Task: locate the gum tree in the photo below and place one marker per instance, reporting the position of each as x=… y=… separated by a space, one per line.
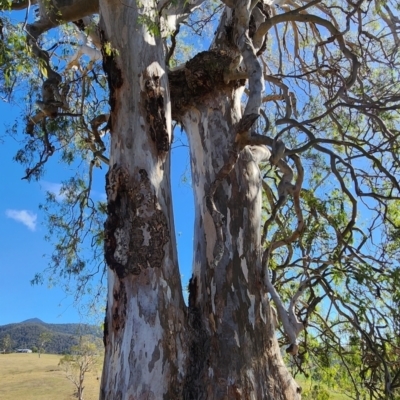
x=84 y=357
x=6 y=344
x=44 y=338
x=295 y=101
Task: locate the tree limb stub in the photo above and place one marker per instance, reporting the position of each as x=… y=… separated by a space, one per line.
x=202 y=76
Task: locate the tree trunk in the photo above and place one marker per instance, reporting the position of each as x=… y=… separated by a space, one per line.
x=80 y=393
x=144 y=327
x=81 y=382
x=223 y=346
x=233 y=353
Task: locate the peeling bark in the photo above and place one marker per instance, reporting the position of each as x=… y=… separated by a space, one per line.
x=223 y=345
x=233 y=350
x=145 y=333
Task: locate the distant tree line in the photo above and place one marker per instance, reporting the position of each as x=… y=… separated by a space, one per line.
x=61 y=337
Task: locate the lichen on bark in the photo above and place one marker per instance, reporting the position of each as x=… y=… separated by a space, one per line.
x=136 y=229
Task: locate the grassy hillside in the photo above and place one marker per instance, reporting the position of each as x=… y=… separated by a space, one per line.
x=63 y=336
x=28 y=377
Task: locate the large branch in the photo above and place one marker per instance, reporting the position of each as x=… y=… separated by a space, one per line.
x=295 y=16
x=243 y=11
x=291 y=325
x=175 y=12
x=50 y=16
x=58 y=12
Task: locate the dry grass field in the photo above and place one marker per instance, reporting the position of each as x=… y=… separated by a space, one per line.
x=28 y=377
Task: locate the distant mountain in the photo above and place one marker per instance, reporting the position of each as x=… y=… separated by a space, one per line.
x=33 y=321
x=26 y=334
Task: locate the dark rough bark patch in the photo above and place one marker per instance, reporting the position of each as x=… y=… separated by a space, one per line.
x=155 y=113
x=266 y=10
x=119 y=308
x=202 y=76
x=105 y=331
x=136 y=229
x=199 y=348
x=252 y=27
x=151 y=254
x=80 y=24
x=113 y=185
x=206 y=70
x=192 y=288
x=229 y=30
x=114 y=75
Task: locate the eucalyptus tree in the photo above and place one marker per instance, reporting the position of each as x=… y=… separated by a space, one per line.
x=294 y=101
x=83 y=358
x=43 y=339
x=6 y=344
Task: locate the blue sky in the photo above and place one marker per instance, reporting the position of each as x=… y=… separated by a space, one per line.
x=22 y=244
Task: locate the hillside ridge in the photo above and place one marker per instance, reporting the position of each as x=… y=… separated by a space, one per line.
x=26 y=334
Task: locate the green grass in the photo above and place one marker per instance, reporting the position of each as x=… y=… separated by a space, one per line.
x=330 y=393
x=28 y=377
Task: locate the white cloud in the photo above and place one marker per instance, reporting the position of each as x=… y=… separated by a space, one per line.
x=28 y=218
x=53 y=188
